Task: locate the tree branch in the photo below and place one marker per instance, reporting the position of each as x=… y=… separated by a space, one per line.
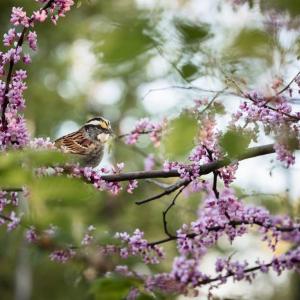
x=288 y=85
x=204 y=169
x=293 y=118
x=12 y=189
x=217 y=228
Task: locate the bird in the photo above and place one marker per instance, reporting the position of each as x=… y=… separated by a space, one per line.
x=88 y=142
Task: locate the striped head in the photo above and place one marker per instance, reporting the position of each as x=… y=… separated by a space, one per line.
x=99 y=128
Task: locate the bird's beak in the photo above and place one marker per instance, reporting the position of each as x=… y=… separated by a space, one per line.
x=110 y=131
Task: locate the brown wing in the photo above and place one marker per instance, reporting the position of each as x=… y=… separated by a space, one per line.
x=74 y=143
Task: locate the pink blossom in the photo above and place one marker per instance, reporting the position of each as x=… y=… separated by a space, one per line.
x=145 y=126
x=88 y=236
x=41 y=144
x=63 y=255
x=31 y=235
x=14 y=221
x=138 y=246
x=26 y=59
x=40 y=15
x=3 y=200
x=18 y=17
x=32 y=40
x=284 y=155
x=9 y=37
x=132 y=185
x=149 y=162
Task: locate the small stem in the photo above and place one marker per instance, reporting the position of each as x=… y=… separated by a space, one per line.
x=165 y=212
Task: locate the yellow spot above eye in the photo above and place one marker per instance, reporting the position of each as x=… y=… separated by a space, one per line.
x=103 y=125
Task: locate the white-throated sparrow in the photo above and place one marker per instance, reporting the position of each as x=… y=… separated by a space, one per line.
x=88 y=142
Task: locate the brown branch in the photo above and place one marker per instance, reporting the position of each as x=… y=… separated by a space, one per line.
x=212 y=100
x=204 y=169
x=215 y=182
x=230 y=274
x=165 y=212
x=220 y=278
x=10 y=69
x=293 y=118
x=189 y=87
x=5 y=218
x=217 y=228
x=12 y=189
x=216 y=173
x=128 y=134
x=288 y=85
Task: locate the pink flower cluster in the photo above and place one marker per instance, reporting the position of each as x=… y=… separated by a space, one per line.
x=9 y=201
x=145 y=126
x=15 y=135
x=13 y=126
x=277 y=118
x=228 y=216
x=62 y=255
x=136 y=245
x=218 y=217
x=284 y=155
x=94 y=177
x=88 y=236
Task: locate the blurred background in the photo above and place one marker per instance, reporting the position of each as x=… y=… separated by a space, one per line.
x=128 y=59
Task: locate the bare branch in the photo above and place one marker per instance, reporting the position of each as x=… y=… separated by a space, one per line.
x=165 y=212
x=128 y=134
x=172 y=188
x=12 y=189
x=288 y=85
x=293 y=118
x=189 y=87
x=212 y=100
x=162 y=185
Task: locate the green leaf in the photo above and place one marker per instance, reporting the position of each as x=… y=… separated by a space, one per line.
x=252 y=43
x=191 y=32
x=125 y=42
x=180 y=139
x=60 y=190
x=235 y=142
x=189 y=70
x=113 y=288
x=290 y=6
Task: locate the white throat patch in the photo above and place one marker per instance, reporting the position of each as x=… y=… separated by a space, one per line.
x=103 y=137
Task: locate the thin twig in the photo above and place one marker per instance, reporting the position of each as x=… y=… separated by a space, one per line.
x=172 y=188
x=128 y=134
x=212 y=100
x=288 y=85
x=215 y=183
x=247 y=96
x=165 y=212
x=161 y=185
x=5 y=218
x=189 y=87
x=216 y=173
